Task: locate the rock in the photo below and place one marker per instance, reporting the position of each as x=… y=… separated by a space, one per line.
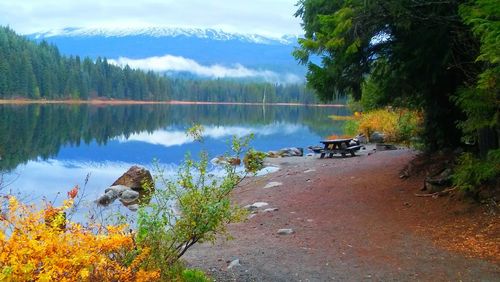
x=439 y=182
x=222 y=160
x=129 y=196
x=315 y=149
x=111 y=194
x=285 y=231
x=270 y=210
x=118 y=189
x=273 y=154
x=234 y=263
x=377 y=137
x=385 y=147
x=256 y=205
x=133 y=207
x=309 y=170
x=272 y=184
x=291 y=152
x=137 y=178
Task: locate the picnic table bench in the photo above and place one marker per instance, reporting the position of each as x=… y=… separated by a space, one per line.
x=339 y=146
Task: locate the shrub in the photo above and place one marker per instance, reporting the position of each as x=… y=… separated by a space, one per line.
x=472 y=172
x=194 y=275
x=191 y=209
x=34 y=249
x=399 y=125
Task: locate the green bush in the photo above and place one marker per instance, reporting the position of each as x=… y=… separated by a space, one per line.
x=472 y=172
x=194 y=275
x=192 y=208
x=351 y=127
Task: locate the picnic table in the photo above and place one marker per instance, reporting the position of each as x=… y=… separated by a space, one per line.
x=339 y=146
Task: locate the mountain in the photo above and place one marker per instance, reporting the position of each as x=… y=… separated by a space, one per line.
x=207 y=47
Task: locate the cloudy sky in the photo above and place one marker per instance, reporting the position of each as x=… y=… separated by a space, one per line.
x=267 y=17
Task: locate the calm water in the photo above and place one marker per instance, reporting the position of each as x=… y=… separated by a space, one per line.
x=48 y=149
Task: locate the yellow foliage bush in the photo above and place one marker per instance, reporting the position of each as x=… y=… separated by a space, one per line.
x=33 y=248
x=380 y=120
x=398 y=125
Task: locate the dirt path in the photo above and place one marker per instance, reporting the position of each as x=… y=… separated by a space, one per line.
x=353 y=220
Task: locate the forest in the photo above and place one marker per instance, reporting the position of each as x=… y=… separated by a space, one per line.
x=38 y=71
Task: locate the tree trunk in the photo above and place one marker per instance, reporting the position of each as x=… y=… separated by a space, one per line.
x=487 y=140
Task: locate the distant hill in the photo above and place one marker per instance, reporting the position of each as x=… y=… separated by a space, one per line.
x=205 y=46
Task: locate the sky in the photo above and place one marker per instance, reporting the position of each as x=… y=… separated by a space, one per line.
x=266 y=17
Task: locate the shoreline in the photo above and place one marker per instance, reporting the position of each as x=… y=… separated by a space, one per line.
x=137 y=102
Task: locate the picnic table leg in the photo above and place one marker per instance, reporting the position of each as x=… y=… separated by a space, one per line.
x=322 y=155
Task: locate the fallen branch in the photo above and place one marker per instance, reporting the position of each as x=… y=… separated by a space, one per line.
x=437 y=194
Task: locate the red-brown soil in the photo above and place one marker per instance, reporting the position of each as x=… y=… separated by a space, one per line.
x=354 y=219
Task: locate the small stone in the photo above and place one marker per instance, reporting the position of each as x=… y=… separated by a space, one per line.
x=272 y=184
x=253 y=207
x=133 y=207
x=285 y=231
x=234 y=263
x=270 y=210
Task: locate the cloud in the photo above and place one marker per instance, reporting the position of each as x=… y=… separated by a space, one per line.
x=181 y=64
x=169 y=138
x=258 y=16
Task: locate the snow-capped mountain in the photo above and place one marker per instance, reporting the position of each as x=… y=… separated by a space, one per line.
x=170 y=49
x=208 y=33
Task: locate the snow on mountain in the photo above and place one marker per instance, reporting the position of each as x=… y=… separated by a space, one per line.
x=209 y=33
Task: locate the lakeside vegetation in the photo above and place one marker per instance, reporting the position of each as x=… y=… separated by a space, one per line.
x=45 y=245
x=38 y=71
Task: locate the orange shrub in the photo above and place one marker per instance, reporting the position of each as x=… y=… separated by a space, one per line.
x=34 y=249
x=383 y=120
x=398 y=125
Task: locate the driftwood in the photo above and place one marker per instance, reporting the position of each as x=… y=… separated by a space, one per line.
x=437 y=194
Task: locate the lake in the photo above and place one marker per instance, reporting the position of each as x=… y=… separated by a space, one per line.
x=46 y=150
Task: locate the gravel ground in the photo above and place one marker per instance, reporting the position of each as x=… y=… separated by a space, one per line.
x=353 y=219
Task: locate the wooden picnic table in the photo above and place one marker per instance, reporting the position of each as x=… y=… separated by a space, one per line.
x=339 y=146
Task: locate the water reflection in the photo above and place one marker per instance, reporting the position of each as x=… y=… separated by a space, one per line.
x=48 y=149
x=173 y=137
x=31 y=132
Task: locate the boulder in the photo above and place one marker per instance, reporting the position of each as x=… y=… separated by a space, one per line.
x=129 y=187
x=439 y=182
x=377 y=137
x=291 y=152
x=136 y=178
x=111 y=194
x=129 y=196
